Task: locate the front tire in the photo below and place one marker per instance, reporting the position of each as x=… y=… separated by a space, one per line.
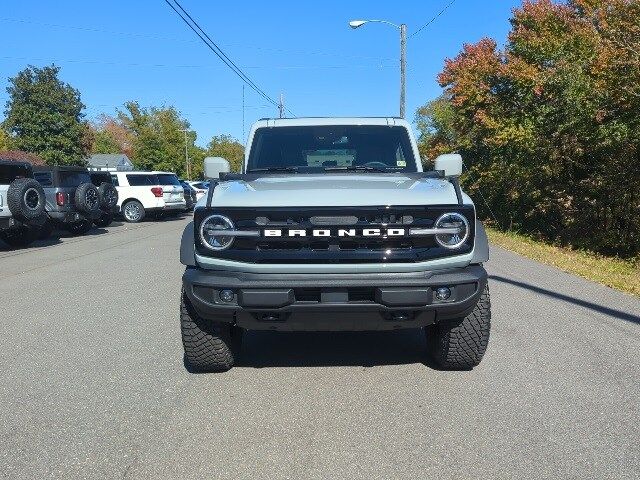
x=460 y=344
x=208 y=346
x=133 y=211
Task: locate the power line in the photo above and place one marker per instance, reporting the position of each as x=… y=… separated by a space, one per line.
x=193 y=25
x=432 y=20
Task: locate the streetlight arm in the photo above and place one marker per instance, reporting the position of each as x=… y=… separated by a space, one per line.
x=359 y=23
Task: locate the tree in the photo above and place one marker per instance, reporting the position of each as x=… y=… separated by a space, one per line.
x=549 y=125
x=111 y=136
x=158 y=138
x=44 y=116
x=5 y=140
x=229 y=148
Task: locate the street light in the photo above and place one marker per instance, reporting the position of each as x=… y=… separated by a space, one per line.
x=403 y=54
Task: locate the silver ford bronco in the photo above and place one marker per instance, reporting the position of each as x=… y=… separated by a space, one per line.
x=334 y=225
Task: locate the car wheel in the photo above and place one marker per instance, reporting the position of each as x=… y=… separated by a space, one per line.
x=133 y=211
x=87 y=199
x=460 y=344
x=25 y=199
x=208 y=346
x=19 y=237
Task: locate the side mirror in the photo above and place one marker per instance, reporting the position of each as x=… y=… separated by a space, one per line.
x=214 y=166
x=450 y=164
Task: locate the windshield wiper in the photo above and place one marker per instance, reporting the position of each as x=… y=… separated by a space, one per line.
x=274 y=169
x=355 y=168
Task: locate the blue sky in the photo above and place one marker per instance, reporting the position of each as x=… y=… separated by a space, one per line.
x=117 y=51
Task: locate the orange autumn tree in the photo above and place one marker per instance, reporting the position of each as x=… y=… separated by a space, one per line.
x=549 y=126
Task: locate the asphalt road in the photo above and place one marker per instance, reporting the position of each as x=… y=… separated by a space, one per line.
x=92 y=382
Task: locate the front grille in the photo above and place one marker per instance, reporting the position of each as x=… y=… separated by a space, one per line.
x=360 y=249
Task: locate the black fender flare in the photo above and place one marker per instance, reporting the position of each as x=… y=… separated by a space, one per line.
x=481 y=247
x=187 y=246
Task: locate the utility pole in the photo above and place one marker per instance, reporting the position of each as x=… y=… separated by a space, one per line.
x=186 y=154
x=243 y=112
x=281 y=106
x=403 y=55
x=403 y=67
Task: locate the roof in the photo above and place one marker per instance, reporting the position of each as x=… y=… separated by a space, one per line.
x=322 y=121
x=108 y=159
x=61 y=168
x=20 y=156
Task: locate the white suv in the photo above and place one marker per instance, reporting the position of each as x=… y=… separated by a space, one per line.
x=140 y=193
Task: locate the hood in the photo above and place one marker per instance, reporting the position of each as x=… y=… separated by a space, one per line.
x=334 y=190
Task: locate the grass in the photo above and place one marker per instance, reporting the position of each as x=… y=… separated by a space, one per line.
x=613 y=272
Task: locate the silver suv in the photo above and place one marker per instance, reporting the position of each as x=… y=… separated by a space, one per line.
x=72 y=200
x=334 y=225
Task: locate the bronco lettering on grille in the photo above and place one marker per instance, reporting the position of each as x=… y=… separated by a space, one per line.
x=340 y=232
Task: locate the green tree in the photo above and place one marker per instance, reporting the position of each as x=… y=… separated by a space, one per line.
x=549 y=125
x=158 y=139
x=229 y=148
x=5 y=140
x=44 y=116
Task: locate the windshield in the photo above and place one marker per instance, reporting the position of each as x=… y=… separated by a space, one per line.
x=318 y=148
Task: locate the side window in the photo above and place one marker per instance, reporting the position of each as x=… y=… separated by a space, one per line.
x=114 y=179
x=44 y=178
x=142 y=180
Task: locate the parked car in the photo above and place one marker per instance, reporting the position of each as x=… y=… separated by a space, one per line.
x=108 y=198
x=335 y=226
x=201 y=188
x=72 y=200
x=143 y=193
x=190 y=196
x=22 y=204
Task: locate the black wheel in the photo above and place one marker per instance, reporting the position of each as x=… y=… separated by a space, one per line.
x=104 y=221
x=80 y=228
x=208 y=346
x=19 y=237
x=25 y=199
x=133 y=211
x=460 y=344
x=108 y=195
x=87 y=199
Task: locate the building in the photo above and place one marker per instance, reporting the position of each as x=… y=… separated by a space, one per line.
x=111 y=162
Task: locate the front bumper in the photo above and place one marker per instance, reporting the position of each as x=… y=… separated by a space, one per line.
x=379 y=301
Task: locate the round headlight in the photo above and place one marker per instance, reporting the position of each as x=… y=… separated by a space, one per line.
x=210 y=232
x=459 y=227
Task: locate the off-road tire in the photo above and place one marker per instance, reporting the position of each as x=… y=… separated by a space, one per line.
x=104 y=221
x=19 y=237
x=26 y=200
x=108 y=195
x=460 y=344
x=80 y=228
x=87 y=199
x=208 y=346
x=131 y=219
